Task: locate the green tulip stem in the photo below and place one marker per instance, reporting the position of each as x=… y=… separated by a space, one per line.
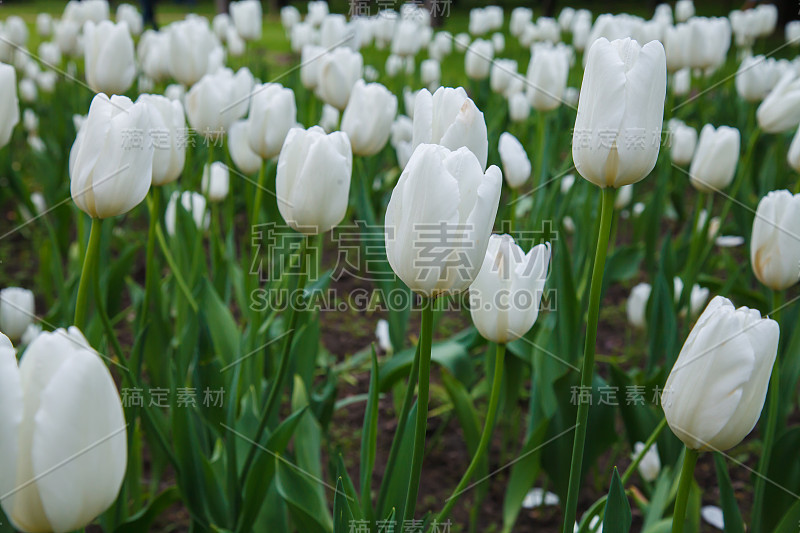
x=283 y=364
x=486 y=436
x=771 y=428
x=426 y=334
x=512 y=214
x=262 y=176
x=153 y=205
x=685 y=484
x=587 y=370
x=89 y=270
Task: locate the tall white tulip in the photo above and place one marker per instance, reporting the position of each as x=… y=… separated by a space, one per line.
x=63 y=454
x=368 y=117
x=683 y=141
x=273 y=112
x=111 y=161
x=715 y=159
x=620 y=111
x=519 y=108
x=684 y=10
x=780 y=110
x=715 y=392
x=793 y=155
x=775 y=243
x=337 y=73
x=215 y=102
x=478 y=59
x=193 y=203
x=247 y=17
x=450 y=118
x=17 y=311
x=313 y=179
x=9 y=103
x=439 y=219
x=636 y=307
x=168 y=123
x=516 y=165
x=547 y=76
x=190 y=45
x=507 y=292
x=756 y=77
x=215 y=181
x=130 y=15
x=242 y=155
x=650 y=465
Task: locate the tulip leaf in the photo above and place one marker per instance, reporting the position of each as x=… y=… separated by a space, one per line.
x=451 y=355
x=730 y=509
x=623 y=264
x=663 y=327
x=297 y=487
x=788 y=523
x=141 y=521
x=618 y=516
x=523 y=474
x=349 y=488
x=398 y=481
x=225 y=335
x=784 y=476
x=342 y=516
x=369 y=439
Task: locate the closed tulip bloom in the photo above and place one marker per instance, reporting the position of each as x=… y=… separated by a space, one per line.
x=636 y=307
x=218 y=100
x=439 y=189
x=430 y=73
x=63 y=454
x=313 y=179
x=519 y=108
x=756 y=77
x=461 y=42
x=780 y=110
x=520 y=17
x=193 y=203
x=338 y=72
x=478 y=59
x=698 y=299
x=792 y=32
x=9 y=104
x=793 y=156
x=450 y=118
x=246 y=15
x=650 y=465
x=684 y=10
x=516 y=165
x=190 y=46
x=547 y=76
x=329 y=120
x=215 y=182
x=368 y=118
x=272 y=114
x=130 y=15
x=168 y=123
x=505 y=296
x=775 y=243
x=682 y=82
x=50 y=54
x=715 y=159
x=242 y=155
x=503 y=70
x=310 y=61
x=44 y=24
x=111 y=161
x=683 y=142
x=715 y=392
x=620 y=111
x=401 y=136
x=406 y=40
x=624 y=197
x=16 y=311
x=290 y=16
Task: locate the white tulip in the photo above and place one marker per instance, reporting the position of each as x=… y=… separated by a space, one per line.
x=715 y=159
x=273 y=112
x=63 y=454
x=620 y=111
x=215 y=181
x=775 y=243
x=338 y=72
x=756 y=77
x=684 y=10
x=329 y=120
x=111 y=161
x=780 y=110
x=247 y=16
x=401 y=137
x=9 y=104
x=193 y=203
x=697 y=299
x=313 y=179
x=430 y=73
x=168 y=124
x=130 y=15
x=503 y=71
x=478 y=59
x=439 y=219
x=636 y=307
x=368 y=117
x=650 y=465
x=519 y=108
x=683 y=141
x=16 y=311
x=624 y=197
x=218 y=100
x=190 y=45
x=290 y=16
x=27 y=90
x=245 y=159
x=516 y=165
x=506 y=294
x=547 y=76
x=44 y=24
x=715 y=392
x=682 y=82
x=450 y=118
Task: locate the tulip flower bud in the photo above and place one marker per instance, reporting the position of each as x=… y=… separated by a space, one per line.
x=624 y=197
x=503 y=70
x=519 y=108
x=193 y=203
x=715 y=392
x=439 y=219
x=683 y=140
x=190 y=45
x=242 y=155
x=620 y=111
x=775 y=243
x=273 y=113
x=310 y=60
x=130 y=15
x=650 y=465
x=337 y=74
x=215 y=181
x=697 y=299
x=9 y=104
x=329 y=121
x=313 y=179
x=636 y=307
x=715 y=159
x=290 y=16
x=684 y=10
x=547 y=76
x=780 y=110
x=402 y=133
x=793 y=156
x=478 y=59
x=516 y=165
x=682 y=82
x=246 y=15
x=44 y=24
x=218 y=100
x=16 y=311
x=430 y=73
x=368 y=118
x=756 y=77
x=168 y=124
x=64 y=449
x=505 y=296
x=450 y=118
x=111 y=161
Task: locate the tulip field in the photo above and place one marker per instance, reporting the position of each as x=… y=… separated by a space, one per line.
x=386 y=267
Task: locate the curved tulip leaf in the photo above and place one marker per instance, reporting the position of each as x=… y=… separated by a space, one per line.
x=369 y=439
x=730 y=509
x=618 y=516
x=523 y=474
x=225 y=335
x=342 y=516
x=784 y=476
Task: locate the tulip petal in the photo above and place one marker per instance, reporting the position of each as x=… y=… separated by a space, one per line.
x=11 y=409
